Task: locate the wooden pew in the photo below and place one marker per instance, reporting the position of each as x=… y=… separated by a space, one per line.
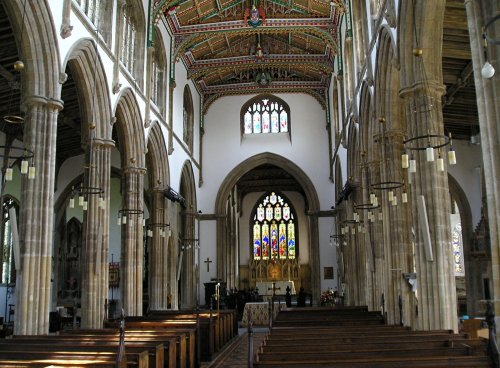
x=68 y=358
x=226 y=322
x=184 y=330
x=215 y=329
x=177 y=351
x=336 y=338
x=159 y=354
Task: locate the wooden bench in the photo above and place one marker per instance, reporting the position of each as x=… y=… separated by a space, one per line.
x=62 y=357
x=161 y=352
x=215 y=330
x=178 y=345
x=357 y=338
x=225 y=323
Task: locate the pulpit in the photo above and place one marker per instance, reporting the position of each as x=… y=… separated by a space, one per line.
x=211 y=289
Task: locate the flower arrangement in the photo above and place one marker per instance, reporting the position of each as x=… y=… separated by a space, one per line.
x=327 y=297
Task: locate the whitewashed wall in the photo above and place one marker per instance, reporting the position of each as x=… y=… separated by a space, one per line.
x=224 y=149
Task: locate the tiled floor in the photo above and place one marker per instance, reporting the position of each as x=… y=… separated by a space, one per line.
x=236 y=354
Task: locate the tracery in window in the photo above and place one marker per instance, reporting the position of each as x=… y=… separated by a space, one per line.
x=129 y=37
x=158 y=74
x=274 y=229
x=188 y=118
x=92 y=8
x=7 y=256
x=265 y=114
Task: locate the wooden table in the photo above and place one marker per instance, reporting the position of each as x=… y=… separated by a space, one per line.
x=260 y=313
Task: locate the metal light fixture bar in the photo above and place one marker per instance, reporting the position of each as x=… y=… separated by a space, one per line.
x=366 y=206
x=17 y=153
x=387 y=185
x=337 y=239
x=123 y=215
x=432 y=140
x=188 y=242
x=162 y=229
x=352 y=225
x=485 y=30
x=83 y=194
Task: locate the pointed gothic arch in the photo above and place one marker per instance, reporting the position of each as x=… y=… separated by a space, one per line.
x=160 y=265
x=131 y=144
x=187 y=234
x=312 y=208
x=129 y=129
x=91 y=82
x=38 y=50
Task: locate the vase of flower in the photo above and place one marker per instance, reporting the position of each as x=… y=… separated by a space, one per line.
x=327 y=298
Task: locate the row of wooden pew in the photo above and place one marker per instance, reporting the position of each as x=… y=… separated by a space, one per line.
x=354 y=337
x=161 y=339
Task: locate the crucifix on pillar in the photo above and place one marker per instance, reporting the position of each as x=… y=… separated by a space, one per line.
x=208 y=261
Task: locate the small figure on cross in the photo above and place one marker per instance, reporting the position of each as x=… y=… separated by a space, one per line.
x=274 y=288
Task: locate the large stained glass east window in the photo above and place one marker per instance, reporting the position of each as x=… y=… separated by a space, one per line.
x=265 y=114
x=274 y=229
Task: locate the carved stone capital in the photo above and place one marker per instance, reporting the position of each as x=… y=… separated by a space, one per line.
x=66 y=30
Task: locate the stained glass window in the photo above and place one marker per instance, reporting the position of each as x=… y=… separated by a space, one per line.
x=273 y=229
x=267 y=114
x=458 y=258
x=7 y=254
x=158 y=74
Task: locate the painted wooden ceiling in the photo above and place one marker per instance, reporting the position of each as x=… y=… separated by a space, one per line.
x=288 y=45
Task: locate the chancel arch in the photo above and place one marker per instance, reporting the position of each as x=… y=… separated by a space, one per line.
x=229 y=193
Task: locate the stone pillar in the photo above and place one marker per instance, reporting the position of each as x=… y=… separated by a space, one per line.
x=158 y=255
x=488 y=100
x=377 y=237
x=398 y=242
x=422 y=91
x=95 y=244
x=132 y=257
x=33 y=280
x=436 y=279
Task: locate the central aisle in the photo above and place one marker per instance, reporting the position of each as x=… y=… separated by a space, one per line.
x=236 y=354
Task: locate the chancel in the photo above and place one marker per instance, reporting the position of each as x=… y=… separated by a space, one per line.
x=188 y=162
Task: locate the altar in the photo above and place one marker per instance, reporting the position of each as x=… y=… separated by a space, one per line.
x=266 y=287
x=260 y=313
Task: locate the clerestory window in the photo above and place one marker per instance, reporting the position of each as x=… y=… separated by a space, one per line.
x=265 y=114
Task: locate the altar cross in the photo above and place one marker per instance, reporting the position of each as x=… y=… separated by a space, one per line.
x=208 y=261
x=274 y=288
